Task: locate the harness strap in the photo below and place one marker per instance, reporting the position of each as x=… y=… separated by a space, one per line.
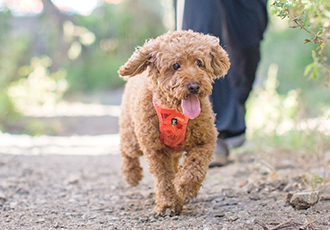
x=172 y=125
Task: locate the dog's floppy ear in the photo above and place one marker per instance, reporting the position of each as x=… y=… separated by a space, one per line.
x=220 y=61
x=138 y=62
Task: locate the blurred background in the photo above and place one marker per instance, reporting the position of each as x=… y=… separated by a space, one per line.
x=60 y=91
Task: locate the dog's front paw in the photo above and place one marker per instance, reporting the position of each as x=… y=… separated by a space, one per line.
x=160 y=210
x=171 y=210
x=186 y=188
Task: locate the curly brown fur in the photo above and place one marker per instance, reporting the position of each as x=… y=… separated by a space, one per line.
x=152 y=68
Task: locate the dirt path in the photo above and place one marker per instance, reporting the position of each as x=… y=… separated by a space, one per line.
x=88 y=192
x=43 y=190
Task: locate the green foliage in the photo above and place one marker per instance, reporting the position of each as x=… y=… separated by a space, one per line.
x=118 y=30
x=12 y=53
x=313 y=16
x=278 y=121
x=38 y=86
x=282 y=47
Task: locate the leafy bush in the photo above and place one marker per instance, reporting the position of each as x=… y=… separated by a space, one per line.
x=278 y=121
x=313 y=16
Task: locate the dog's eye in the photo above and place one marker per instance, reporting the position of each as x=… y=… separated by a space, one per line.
x=176 y=66
x=199 y=63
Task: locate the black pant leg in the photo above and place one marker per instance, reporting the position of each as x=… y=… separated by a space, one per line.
x=243 y=28
x=207 y=17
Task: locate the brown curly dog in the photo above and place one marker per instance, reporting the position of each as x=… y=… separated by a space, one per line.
x=173 y=76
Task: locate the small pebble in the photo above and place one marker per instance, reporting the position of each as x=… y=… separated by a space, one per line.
x=219 y=214
x=233 y=218
x=250 y=187
x=13 y=205
x=73 y=179
x=303 y=200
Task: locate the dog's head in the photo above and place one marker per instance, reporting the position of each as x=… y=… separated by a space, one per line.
x=182 y=67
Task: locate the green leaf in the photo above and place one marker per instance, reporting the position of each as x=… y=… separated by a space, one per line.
x=308 y=69
x=315 y=73
x=321 y=45
x=274 y=11
x=315 y=58
x=307 y=40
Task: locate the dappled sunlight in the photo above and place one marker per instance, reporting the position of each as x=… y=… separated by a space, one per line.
x=321 y=124
x=72 y=33
x=81 y=7
x=269 y=112
x=73 y=145
x=271 y=115
x=40 y=87
x=108 y=44
x=75 y=50
x=23 y=7
x=77 y=109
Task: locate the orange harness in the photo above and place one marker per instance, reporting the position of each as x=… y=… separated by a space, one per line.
x=172 y=125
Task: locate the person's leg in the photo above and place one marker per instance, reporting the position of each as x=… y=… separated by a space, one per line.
x=207 y=17
x=243 y=28
x=242 y=75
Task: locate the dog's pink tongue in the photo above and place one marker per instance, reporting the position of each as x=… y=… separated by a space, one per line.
x=191 y=107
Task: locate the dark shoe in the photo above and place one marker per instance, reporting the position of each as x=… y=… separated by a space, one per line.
x=236 y=141
x=220 y=154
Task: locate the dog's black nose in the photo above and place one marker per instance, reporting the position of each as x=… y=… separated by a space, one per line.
x=193 y=87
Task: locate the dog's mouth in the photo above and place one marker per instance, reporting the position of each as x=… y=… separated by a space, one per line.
x=191 y=106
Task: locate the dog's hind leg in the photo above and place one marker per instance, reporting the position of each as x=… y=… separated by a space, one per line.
x=130 y=152
x=131 y=170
